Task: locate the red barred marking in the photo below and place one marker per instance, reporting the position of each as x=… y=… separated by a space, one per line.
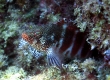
x=74 y=43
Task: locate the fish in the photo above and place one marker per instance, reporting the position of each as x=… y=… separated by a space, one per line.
x=72 y=45
x=61 y=43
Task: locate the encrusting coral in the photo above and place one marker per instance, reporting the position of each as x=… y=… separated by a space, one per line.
x=75 y=71
x=12 y=73
x=3 y=60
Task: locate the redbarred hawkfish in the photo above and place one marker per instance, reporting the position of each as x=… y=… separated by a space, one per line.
x=71 y=43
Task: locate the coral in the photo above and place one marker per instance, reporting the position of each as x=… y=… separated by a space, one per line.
x=3 y=59
x=53 y=74
x=93 y=16
x=53 y=18
x=14 y=14
x=2 y=10
x=2 y=4
x=89 y=65
x=9 y=30
x=74 y=70
x=102 y=73
x=12 y=73
x=107 y=77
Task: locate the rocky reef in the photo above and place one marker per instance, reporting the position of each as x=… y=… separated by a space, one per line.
x=30 y=28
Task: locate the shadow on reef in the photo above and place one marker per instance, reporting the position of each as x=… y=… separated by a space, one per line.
x=10 y=50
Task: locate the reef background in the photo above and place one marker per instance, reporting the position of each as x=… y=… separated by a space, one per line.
x=18 y=16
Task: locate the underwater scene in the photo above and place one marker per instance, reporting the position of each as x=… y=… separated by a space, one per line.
x=54 y=39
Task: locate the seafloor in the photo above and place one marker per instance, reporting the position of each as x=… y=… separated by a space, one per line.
x=25 y=22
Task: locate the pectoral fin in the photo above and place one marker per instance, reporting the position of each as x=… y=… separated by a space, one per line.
x=54 y=58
